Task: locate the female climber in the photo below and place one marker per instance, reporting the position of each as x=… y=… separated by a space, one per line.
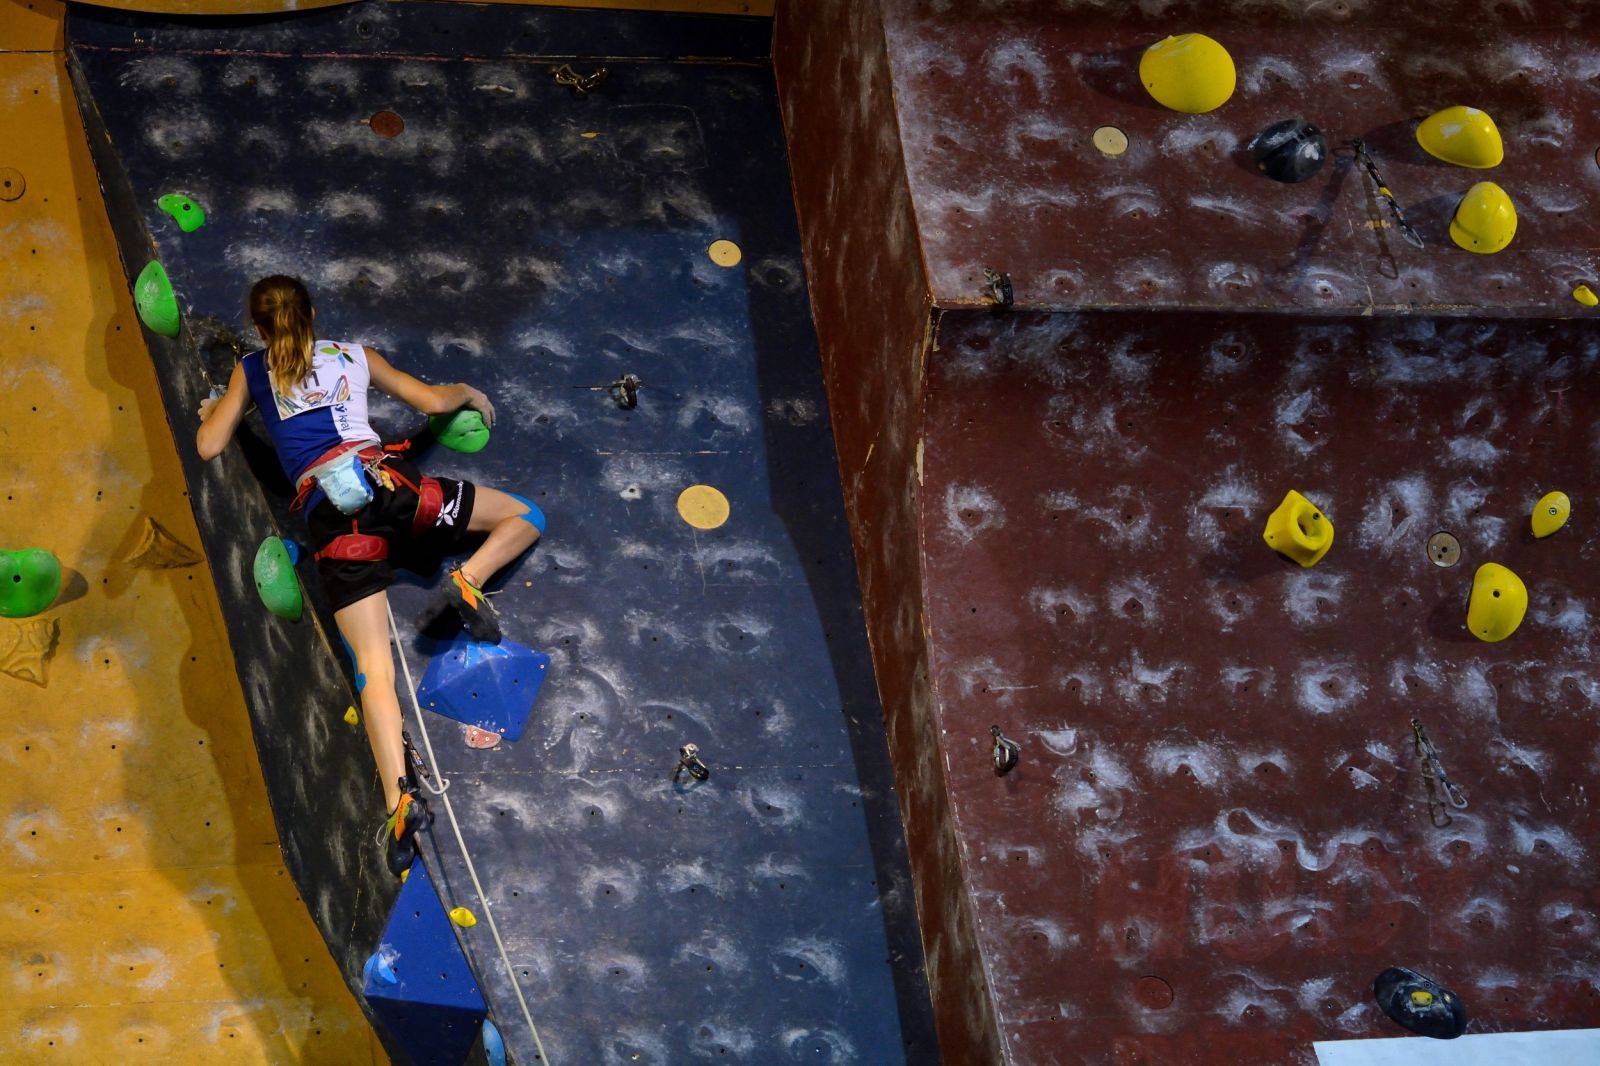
x=364 y=506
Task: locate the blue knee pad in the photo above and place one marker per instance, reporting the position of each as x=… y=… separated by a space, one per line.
x=361 y=678
x=534 y=517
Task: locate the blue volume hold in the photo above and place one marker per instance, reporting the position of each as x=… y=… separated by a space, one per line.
x=491 y=686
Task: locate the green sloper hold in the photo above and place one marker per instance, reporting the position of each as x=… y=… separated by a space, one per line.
x=30 y=581
x=153 y=296
x=462 y=431
x=276 y=580
x=189 y=215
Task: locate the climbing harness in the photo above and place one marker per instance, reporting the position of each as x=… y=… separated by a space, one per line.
x=442 y=791
x=580 y=84
x=1004 y=753
x=1441 y=790
x=689 y=762
x=624 y=391
x=1365 y=159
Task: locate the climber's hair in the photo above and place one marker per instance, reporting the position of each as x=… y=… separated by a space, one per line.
x=281 y=307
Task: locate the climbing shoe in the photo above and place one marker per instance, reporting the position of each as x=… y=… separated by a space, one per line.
x=399 y=831
x=469 y=602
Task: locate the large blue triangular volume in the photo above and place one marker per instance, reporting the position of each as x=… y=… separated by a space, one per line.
x=491 y=686
x=418 y=982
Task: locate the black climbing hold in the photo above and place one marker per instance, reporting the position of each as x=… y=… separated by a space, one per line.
x=1005 y=751
x=1289 y=151
x=1420 y=1004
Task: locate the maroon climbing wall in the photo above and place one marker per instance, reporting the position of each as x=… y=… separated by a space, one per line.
x=869 y=297
x=998 y=105
x=1217 y=835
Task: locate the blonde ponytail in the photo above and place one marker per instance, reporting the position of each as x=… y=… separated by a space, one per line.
x=280 y=306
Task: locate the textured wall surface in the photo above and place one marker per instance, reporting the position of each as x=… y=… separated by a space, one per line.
x=869 y=298
x=145 y=911
x=317 y=768
x=998 y=102
x=537 y=242
x=1218 y=833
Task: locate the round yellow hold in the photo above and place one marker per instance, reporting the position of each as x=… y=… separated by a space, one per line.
x=1485 y=219
x=1189 y=72
x=463 y=917
x=1464 y=136
x=1551 y=513
x=703 y=507
x=724 y=253
x=1585 y=295
x=351 y=716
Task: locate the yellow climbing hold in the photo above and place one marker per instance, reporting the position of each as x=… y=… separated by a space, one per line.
x=405 y=874
x=589 y=136
x=1189 y=72
x=724 y=253
x=1421 y=998
x=1551 y=513
x=1585 y=295
x=463 y=917
x=351 y=716
x=1299 y=530
x=703 y=507
x=1110 y=140
x=1485 y=219
x=1464 y=136
x=1499 y=600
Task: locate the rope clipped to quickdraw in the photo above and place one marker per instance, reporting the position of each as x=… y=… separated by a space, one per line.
x=1441 y=790
x=1365 y=159
x=442 y=791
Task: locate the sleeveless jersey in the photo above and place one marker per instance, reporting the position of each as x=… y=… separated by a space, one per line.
x=327 y=409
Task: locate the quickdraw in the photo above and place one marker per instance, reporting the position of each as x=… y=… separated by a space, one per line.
x=580 y=84
x=1441 y=790
x=689 y=762
x=624 y=391
x=1365 y=159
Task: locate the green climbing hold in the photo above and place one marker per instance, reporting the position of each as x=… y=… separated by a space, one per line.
x=189 y=215
x=276 y=580
x=462 y=431
x=153 y=296
x=30 y=581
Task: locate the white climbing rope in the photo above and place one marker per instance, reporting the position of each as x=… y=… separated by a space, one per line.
x=449 y=809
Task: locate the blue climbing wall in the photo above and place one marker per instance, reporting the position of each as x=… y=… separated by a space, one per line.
x=534 y=241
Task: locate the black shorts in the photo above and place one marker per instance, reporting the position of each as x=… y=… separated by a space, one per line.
x=390 y=515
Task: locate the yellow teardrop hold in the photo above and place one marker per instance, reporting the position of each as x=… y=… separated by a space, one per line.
x=1299 y=530
x=1585 y=295
x=351 y=716
x=1499 y=600
x=463 y=917
x=1551 y=513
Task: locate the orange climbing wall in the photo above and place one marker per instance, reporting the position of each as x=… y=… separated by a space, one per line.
x=145 y=913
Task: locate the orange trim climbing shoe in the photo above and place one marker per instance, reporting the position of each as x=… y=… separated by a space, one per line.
x=400 y=828
x=469 y=602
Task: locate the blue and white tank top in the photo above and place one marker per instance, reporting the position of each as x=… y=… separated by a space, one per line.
x=327 y=409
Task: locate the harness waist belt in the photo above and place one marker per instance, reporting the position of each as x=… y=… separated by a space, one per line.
x=356 y=548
